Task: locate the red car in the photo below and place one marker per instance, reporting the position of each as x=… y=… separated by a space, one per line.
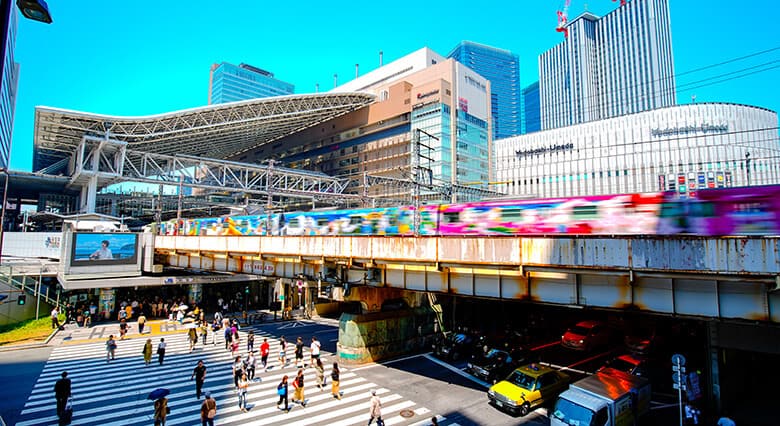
x=586 y=336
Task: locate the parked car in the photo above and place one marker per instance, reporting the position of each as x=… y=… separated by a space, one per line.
x=587 y=335
x=636 y=366
x=644 y=341
x=528 y=387
x=453 y=346
x=492 y=365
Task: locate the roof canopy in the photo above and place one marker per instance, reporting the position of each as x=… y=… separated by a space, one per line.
x=215 y=131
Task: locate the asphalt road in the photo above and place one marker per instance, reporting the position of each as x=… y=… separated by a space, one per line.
x=21 y=369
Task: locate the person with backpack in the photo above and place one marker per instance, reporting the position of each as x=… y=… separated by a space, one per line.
x=298 y=385
x=208 y=410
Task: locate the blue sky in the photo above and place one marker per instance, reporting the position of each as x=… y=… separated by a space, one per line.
x=145 y=57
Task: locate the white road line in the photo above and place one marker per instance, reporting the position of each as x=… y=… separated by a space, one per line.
x=482 y=383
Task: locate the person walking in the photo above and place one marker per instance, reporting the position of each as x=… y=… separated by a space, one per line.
x=199 y=374
x=334 y=381
x=265 y=349
x=161 y=351
x=228 y=337
x=250 y=341
x=299 y=353
x=192 y=336
x=320 y=370
x=282 y=352
x=243 y=386
x=110 y=348
x=55 y=321
x=215 y=326
x=238 y=370
x=122 y=329
x=61 y=394
x=161 y=411
x=208 y=410
x=141 y=323
x=314 y=349
x=298 y=385
x=204 y=331
x=234 y=345
x=281 y=390
x=147 y=352
x=376 y=410
x=249 y=365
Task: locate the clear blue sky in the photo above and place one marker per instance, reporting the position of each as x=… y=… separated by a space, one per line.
x=145 y=57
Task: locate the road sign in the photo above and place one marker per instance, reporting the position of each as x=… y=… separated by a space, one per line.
x=675 y=378
x=681 y=369
x=678 y=359
x=678 y=386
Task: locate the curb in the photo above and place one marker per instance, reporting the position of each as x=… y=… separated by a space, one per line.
x=36 y=345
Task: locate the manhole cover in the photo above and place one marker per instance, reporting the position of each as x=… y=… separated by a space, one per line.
x=406 y=413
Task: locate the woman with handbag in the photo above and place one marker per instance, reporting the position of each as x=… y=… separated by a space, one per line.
x=161 y=411
x=208 y=410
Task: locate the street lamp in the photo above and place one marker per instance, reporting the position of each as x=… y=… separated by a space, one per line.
x=37 y=10
x=747 y=167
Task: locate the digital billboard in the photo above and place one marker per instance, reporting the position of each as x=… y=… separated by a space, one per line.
x=104 y=249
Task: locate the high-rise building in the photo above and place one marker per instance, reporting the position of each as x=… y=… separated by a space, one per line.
x=532 y=115
x=230 y=83
x=614 y=65
x=8 y=87
x=502 y=68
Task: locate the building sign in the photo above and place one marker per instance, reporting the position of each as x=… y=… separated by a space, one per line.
x=545 y=150
x=702 y=181
x=426 y=94
x=476 y=83
x=704 y=128
x=662 y=182
x=52 y=242
x=463 y=104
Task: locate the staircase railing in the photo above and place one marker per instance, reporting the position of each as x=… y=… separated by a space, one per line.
x=27 y=285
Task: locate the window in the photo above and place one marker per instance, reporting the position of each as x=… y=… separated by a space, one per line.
x=384 y=95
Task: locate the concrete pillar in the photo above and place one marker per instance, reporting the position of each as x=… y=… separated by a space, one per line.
x=89 y=196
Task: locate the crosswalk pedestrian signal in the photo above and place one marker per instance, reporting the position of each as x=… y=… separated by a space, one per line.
x=246 y=289
x=22 y=299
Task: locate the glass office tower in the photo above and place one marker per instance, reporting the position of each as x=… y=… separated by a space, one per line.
x=532 y=115
x=8 y=92
x=502 y=68
x=230 y=83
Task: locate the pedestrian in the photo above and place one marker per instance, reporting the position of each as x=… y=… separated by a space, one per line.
x=265 y=349
x=282 y=352
x=161 y=411
x=55 y=321
x=110 y=348
x=122 y=329
x=147 y=352
x=69 y=310
x=298 y=385
x=434 y=421
x=208 y=410
x=243 y=386
x=180 y=316
x=376 y=410
x=192 y=336
x=281 y=390
x=299 y=352
x=61 y=394
x=161 y=351
x=238 y=370
x=228 y=337
x=141 y=323
x=250 y=341
x=234 y=345
x=204 y=331
x=199 y=374
x=315 y=349
x=249 y=365
x=214 y=329
x=334 y=381
x=320 y=371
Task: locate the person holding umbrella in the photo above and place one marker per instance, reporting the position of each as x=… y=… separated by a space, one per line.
x=161 y=409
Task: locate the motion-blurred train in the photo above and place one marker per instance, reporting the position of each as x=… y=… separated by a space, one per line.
x=727 y=211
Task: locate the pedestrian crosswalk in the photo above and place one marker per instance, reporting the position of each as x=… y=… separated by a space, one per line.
x=114 y=393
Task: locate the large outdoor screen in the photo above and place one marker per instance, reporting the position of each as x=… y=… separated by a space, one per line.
x=104 y=249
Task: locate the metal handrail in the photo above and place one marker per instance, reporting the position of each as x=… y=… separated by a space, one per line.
x=7 y=278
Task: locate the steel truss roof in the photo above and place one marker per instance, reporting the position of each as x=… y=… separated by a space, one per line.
x=215 y=131
x=446 y=190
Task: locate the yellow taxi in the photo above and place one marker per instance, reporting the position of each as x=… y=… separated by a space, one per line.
x=527 y=388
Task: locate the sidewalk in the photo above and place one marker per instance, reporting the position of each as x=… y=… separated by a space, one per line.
x=73 y=334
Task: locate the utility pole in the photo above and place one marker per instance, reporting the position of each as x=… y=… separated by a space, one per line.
x=178 y=211
x=417 y=175
x=747 y=167
x=269 y=205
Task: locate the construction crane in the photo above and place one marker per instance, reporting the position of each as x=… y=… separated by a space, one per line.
x=563 y=17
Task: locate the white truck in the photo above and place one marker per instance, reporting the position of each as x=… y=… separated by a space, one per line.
x=607 y=398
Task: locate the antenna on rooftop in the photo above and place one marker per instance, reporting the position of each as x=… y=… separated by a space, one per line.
x=335 y=80
x=316 y=87
x=380 y=58
x=357 y=73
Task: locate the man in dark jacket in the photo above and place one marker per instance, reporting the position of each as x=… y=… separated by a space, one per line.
x=62 y=392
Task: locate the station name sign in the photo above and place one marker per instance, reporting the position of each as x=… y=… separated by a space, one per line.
x=704 y=128
x=544 y=150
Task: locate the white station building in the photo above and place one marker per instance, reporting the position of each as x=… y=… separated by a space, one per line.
x=682 y=148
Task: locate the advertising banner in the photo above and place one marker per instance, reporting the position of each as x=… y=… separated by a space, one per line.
x=107 y=301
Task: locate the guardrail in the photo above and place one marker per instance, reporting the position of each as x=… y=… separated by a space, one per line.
x=27 y=285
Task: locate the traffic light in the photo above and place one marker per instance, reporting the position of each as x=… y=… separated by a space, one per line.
x=246 y=289
x=22 y=299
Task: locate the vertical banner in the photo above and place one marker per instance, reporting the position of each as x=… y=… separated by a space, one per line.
x=107 y=302
x=720 y=180
x=195 y=293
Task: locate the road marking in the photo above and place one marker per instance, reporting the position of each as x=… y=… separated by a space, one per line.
x=379 y=364
x=546 y=345
x=457 y=371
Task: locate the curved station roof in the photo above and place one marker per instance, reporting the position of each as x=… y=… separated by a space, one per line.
x=215 y=131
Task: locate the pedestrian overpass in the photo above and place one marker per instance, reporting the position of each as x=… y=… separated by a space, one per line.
x=705 y=277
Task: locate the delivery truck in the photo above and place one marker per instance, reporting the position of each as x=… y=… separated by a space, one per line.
x=607 y=398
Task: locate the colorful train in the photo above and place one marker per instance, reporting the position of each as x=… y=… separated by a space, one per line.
x=726 y=211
